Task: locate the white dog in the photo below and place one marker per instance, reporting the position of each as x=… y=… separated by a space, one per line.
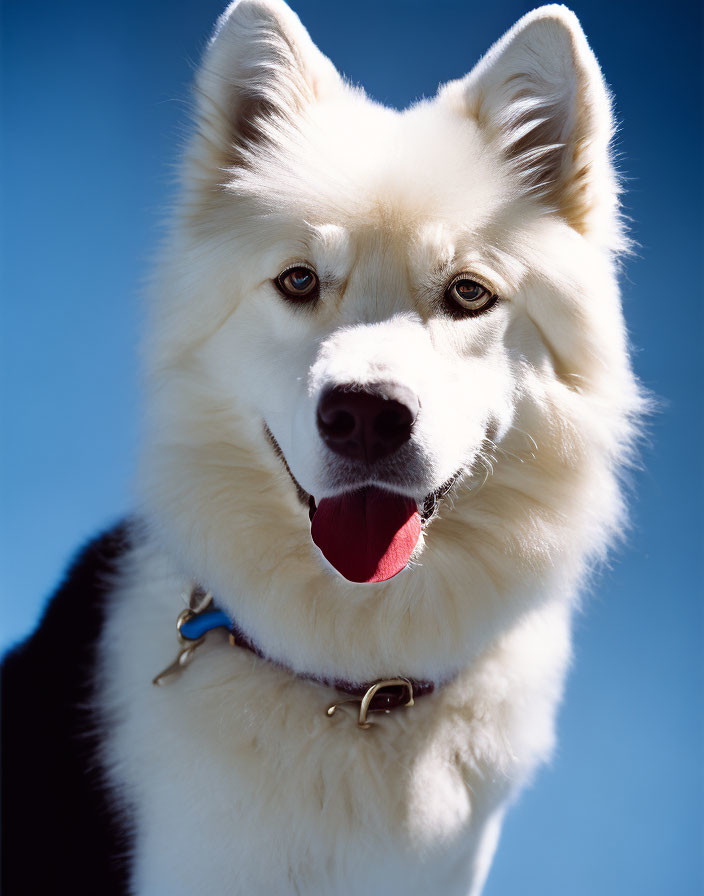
x=404 y=327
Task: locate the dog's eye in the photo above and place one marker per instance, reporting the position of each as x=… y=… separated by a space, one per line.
x=466 y=296
x=298 y=283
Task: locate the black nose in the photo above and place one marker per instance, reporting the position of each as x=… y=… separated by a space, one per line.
x=369 y=423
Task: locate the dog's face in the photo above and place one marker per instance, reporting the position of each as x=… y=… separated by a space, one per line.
x=401 y=326
x=372 y=340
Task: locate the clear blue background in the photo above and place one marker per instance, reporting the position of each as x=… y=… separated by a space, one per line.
x=93 y=117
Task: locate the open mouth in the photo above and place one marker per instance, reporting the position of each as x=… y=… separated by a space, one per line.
x=368 y=534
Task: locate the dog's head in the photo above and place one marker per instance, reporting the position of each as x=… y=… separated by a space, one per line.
x=389 y=386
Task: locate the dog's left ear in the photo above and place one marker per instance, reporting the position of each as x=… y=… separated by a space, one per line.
x=259 y=73
x=540 y=95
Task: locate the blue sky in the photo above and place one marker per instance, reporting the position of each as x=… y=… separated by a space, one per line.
x=93 y=117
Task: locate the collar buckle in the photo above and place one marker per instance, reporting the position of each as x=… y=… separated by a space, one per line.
x=382 y=696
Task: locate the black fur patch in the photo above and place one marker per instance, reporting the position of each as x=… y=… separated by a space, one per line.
x=59 y=832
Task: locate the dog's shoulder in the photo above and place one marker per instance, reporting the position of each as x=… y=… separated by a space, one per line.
x=58 y=823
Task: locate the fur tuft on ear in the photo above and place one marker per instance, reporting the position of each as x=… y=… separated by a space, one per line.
x=540 y=94
x=259 y=73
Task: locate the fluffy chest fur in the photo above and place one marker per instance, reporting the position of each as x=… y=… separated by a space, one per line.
x=237 y=759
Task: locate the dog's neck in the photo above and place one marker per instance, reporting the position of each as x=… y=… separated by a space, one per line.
x=202 y=616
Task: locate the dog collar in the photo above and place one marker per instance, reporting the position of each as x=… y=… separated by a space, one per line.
x=203 y=616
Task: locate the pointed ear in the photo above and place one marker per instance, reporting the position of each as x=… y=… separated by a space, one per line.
x=258 y=74
x=539 y=93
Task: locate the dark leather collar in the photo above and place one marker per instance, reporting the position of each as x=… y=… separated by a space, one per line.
x=385 y=698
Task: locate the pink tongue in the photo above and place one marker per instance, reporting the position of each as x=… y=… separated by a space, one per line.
x=367 y=535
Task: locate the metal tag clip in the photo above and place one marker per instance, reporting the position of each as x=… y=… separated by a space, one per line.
x=198 y=601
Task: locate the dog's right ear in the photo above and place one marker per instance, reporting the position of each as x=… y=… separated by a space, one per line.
x=259 y=73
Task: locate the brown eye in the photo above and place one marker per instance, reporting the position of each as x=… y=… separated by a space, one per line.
x=298 y=283
x=469 y=296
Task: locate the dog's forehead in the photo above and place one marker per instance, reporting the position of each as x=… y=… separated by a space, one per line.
x=416 y=176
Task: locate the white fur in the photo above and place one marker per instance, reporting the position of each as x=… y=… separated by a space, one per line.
x=234 y=777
